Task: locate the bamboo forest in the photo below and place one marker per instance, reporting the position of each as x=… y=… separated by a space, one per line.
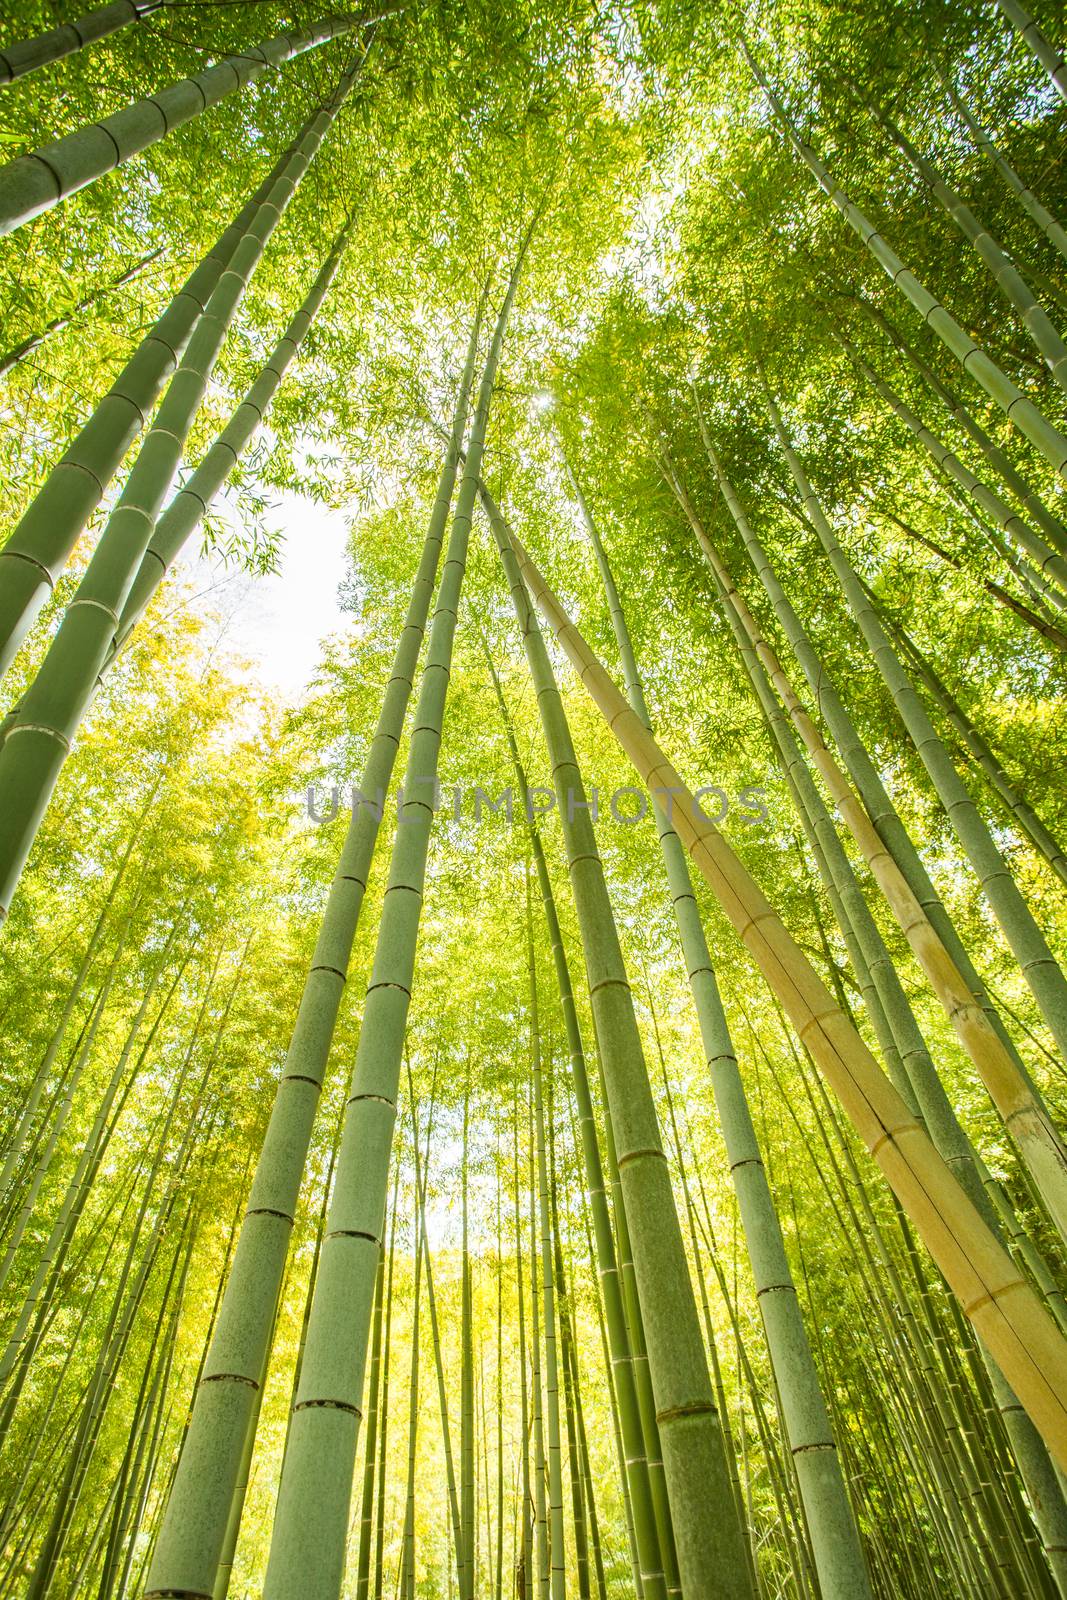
x=533 y=832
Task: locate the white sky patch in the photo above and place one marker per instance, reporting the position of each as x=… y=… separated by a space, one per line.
x=277 y=623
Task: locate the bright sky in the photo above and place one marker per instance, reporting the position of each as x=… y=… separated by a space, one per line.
x=278 y=622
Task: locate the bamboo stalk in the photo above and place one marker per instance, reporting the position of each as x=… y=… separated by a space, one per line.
x=999 y=1302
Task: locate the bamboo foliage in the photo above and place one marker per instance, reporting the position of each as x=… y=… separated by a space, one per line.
x=647 y=1320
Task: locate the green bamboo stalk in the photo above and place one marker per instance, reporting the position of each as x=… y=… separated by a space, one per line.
x=466 y=1572
x=648 y=1567
x=709 y=1542
x=977 y=747
x=542 y=1578
x=1046 y=981
x=1039 y=47
x=34 y=183
x=1052 y=529
x=27 y=55
x=558 y=1573
x=379 y=1519
x=308 y=1543
x=366 y=1519
x=835 y=1538
x=194 y=1520
x=421 y=1183
x=407 y=1557
x=181 y=518
x=1009 y=280
x=1011 y=399
x=524 y=1582
x=1049 y=562
x=567 y=1368
x=965 y=1249
x=1015 y=185
x=605 y=1347
x=39 y=547
x=38 y=740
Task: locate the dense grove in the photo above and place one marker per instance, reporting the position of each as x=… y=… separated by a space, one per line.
x=571 y=1105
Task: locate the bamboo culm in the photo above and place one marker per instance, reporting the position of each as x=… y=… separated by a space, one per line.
x=648 y=1571
x=1026 y=416
x=1000 y=1303
x=34 y=183
x=39 y=547
x=27 y=55
x=709 y=1543
x=194 y=1520
x=38 y=739
x=310 y=1528
x=835 y=1539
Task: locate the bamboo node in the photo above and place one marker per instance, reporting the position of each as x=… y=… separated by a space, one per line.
x=686 y=1408
x=329 y=1405
x=638 y=1155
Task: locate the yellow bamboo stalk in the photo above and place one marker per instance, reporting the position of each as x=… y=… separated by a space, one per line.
x=1023 y=1115
x=1003 y=1308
